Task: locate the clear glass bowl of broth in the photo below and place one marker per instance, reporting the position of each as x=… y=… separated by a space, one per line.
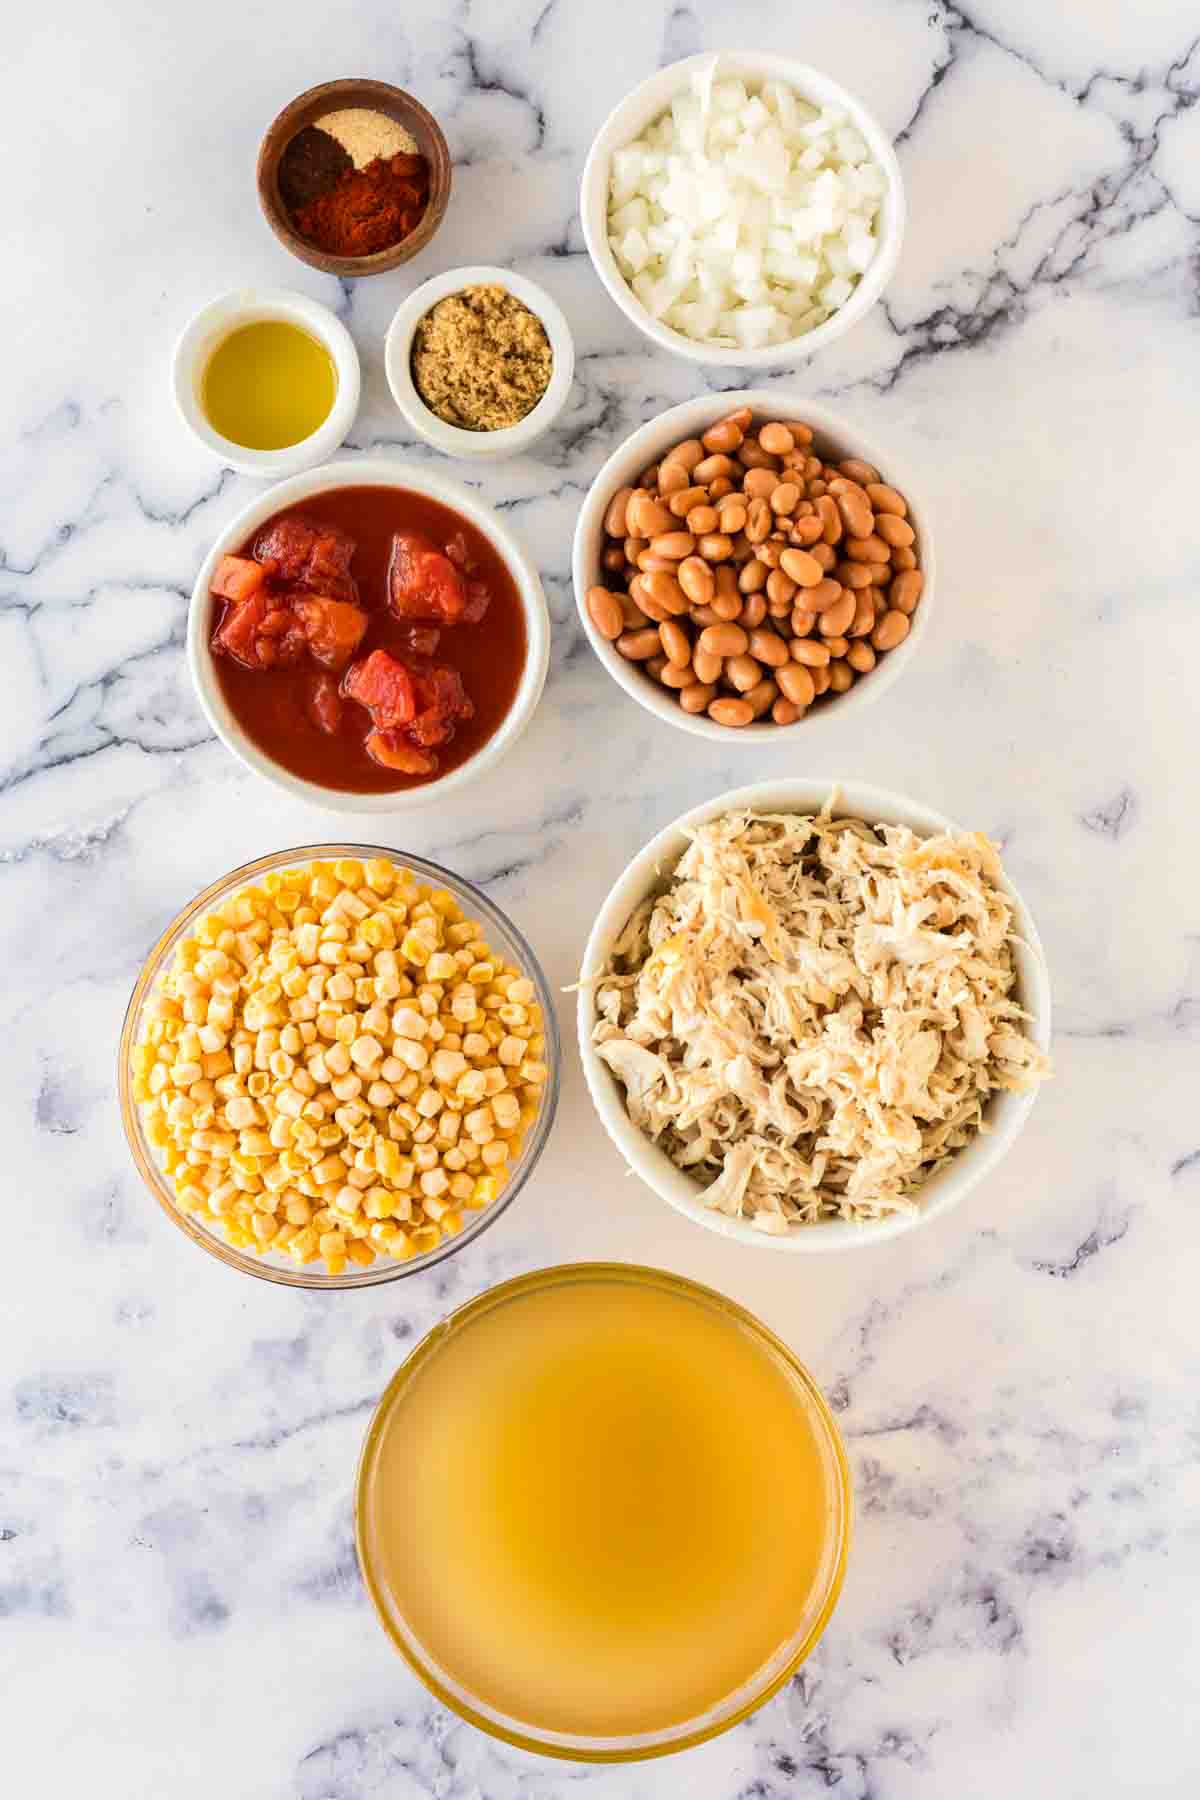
x=603 y=1512
x=502 y=935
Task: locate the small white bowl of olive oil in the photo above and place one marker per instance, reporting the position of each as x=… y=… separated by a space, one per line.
x=267 y=380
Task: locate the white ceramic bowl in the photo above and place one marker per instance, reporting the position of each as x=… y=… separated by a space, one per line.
x=646 y=103
x=646 y=446
x=650 y=872
x=452 y=438
x=245 y=306
x=372 y=472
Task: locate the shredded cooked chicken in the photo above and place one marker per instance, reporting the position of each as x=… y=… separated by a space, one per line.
x=812 y=1017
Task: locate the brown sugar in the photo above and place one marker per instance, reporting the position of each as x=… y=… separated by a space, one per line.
x=481 y=359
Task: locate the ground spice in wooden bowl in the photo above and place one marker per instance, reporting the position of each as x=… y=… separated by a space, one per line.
x=481 y=359
x=354 y=182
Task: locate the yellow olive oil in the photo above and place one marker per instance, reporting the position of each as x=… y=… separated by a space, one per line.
x=602 y=1505
x=268 y=385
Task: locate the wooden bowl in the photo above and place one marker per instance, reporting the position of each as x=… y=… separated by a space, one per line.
x=333 y=96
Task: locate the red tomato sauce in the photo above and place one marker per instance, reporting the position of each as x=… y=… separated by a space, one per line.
x=280 y=708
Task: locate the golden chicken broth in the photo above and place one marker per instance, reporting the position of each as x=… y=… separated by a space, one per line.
x=601 y=1504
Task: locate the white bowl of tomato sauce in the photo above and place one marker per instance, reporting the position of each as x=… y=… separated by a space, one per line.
x=368 y=636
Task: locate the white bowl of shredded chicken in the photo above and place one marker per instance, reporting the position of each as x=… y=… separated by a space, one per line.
x=811 y=1021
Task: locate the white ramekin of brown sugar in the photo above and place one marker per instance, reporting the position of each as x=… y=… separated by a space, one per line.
x=475 y=443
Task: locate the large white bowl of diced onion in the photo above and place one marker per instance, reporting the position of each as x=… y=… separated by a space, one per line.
x=742 y=209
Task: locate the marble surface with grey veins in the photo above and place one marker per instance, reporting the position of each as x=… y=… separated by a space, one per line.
x=180 y=1611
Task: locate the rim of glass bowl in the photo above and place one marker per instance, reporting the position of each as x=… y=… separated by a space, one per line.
x=384 y=1268
x=736 y=1707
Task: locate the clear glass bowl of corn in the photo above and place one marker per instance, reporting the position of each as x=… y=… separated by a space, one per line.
x=339 y=1065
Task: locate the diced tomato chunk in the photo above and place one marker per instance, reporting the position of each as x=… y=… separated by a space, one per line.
x=314 y=557
x=459 y=552
x=261 y=634
x=393 y=751
x=324 y=704
x=334 y=628
x=385 y=687
x=237 y=578
x=292 y=647
x=478 y=600
x=441 y=702
x=421 y=640
x=423 y=583
x=238 y=634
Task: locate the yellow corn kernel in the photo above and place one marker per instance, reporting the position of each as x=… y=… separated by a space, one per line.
x=303 y=1246
x=157 y=1130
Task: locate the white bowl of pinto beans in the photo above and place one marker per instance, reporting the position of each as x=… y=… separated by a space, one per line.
x=748 y=562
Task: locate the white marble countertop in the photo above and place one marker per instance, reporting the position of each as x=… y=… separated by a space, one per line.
x=180 y=1611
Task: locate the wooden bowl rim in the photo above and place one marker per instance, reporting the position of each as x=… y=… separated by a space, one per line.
x=330 y=96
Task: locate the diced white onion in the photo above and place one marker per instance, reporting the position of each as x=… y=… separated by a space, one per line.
x=745 y=215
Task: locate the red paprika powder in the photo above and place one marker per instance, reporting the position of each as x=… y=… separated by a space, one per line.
x=368 y=209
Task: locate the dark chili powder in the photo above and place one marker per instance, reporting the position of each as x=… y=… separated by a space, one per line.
x=312 y=164
x=368 y=209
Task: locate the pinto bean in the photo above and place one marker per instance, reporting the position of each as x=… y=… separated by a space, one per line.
x=856 y=512
x=639 y=646
x=711 y=466
x=614 y=518
x=905 y=590
x=762 y=697
x=647 y=517
x=685 y=498
x=724 y=640
x=886 y=500
x=891 y=630
x=706 y=667
x=743 y=672
x=769 y=648
x=796 y=683
x=728 y=711
x=689 y=453
x=696 y=579
x=838 y=619
x=725 y=436
x=676 y=642
x=809 y=652
x=662 y=587
x=605 y=611
x=697 y=697
x=801 y=566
